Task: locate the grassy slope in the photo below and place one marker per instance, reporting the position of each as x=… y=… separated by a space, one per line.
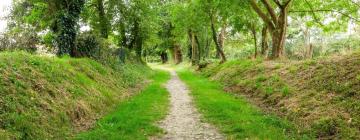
x=53 y=98
x=320 y=96
x=233 y=115
x=135 y=118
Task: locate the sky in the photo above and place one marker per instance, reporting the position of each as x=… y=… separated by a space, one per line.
x=4 y=10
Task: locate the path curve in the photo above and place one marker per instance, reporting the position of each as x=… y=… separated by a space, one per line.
x=183 y=122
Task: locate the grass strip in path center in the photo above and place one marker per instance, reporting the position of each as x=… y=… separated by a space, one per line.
x=232 y=115
x=136 y=118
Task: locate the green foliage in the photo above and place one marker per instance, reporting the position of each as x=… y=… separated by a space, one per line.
x=64 y=26
x=139 y=25
x=14 y=41
x=88 y=45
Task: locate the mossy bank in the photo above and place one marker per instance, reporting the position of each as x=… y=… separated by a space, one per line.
x=55 y=98
x=320 y=96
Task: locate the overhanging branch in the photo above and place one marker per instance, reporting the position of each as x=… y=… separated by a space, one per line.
x=326 y=10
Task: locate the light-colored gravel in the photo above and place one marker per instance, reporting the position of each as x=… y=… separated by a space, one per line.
x=183 y=122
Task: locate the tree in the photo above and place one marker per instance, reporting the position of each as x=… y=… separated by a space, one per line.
x=277 y=22
x=215 y=10
x=264 y=41
x=67 y=14
x=104 y=23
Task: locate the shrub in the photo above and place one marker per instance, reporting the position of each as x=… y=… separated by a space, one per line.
x=87 y=45
x=18 y=41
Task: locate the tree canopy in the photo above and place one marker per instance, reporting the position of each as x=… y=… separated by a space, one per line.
x=198 y=30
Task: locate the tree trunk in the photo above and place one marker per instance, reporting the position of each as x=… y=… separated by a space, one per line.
x=219 y=49
x=194 y=51
x=164 y=57
x=198 y=50
x=279 y=35
x=221 y=39
x=207 y=48
x=264 y=41
x=253 y=31
x=65 y=28
x=177 y=54
x=207 y=45
x=276 y=24
x=138 y=50
x=123 y=37
x=311 y=51
x=222 y=36
x=189 y=53
x=138 y=40
x=104 y=25
x=307 y=41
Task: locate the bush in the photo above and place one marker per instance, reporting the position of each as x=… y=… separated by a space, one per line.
x=87 y=45
x=18 y=41
x=92 y=46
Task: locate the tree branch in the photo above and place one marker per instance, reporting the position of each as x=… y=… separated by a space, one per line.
x=313 y=13
x=270 y=10
x=278 y=3
x=261 y=14
x=287 y=3
x=326 y=10
x=357 y=4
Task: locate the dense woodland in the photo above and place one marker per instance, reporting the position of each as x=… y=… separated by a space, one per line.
x=196 y=30
x=291 y=66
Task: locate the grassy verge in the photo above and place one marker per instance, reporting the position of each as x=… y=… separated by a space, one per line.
x=234 y=116
x=135 y=118
x=55 y=98
x=320 y=96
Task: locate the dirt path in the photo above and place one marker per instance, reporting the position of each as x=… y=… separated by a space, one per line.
x=183 y=122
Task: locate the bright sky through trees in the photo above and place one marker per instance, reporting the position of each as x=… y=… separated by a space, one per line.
x=4 y=10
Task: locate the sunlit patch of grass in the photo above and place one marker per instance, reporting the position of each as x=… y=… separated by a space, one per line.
x=233 y=115
x=135 y=118
x=285 y=91
x=293 y=69
x=358 y=77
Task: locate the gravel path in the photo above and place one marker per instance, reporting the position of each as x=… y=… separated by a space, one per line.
x=183 y=122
